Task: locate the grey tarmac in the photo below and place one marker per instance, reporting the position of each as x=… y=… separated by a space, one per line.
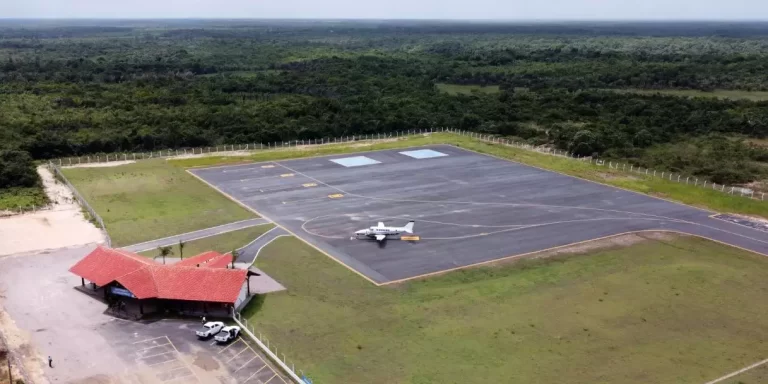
x=249 y=252
x=469 y=208
x=199 y=234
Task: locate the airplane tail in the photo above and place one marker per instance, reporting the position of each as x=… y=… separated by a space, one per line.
x=409 y=227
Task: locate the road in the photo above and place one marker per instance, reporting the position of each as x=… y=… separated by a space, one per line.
x=208 y=232
x=249 y=252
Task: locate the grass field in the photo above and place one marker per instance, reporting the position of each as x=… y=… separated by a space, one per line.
x=152 y=199
x=718 y=93
x=680 y=310
x=758 y=375
x=224 y=243
x=688 y=194
x=456 y=89
x=26 y=198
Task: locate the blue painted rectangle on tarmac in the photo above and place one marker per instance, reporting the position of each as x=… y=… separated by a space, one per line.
x=423 y=154
x=355 y=161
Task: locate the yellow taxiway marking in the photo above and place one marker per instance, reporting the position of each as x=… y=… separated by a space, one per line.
x=410 y=238
x=335 y=195
x=268 y=166
x=287 y=175
x=307 y=185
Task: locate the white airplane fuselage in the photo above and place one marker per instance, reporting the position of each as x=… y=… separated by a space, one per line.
x=381 y=232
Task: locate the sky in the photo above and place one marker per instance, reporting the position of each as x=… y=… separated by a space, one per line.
x=393 y=9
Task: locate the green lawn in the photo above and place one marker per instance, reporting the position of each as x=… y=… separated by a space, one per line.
x=456 y=89
x=152 y=199
x=688 y=194
x=674 y=311
x=156 y=198
x=718 y=93
x=223 y=243
x=26 y=198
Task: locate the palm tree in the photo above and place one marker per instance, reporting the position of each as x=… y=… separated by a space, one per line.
x=181 y=249
x=235 y=256
x=165 y=251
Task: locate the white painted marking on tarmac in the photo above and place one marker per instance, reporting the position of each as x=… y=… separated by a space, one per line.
x=159 y=354
x=544 y=206
x=154 y=346
x=160 y=363
x=257 y=239
x=740 y=371
x=154 y=338
x=267 y=243
x=246 y=363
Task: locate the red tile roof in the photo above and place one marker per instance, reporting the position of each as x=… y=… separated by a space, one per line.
x=148 y=279
x=222 y=261
x=104 y=265
x=199 y=259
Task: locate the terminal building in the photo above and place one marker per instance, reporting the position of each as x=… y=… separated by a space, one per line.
x=203 y=284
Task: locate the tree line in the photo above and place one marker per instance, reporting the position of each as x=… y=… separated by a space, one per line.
x=136 y=90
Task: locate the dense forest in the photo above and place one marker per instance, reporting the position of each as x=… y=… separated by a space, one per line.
x=81 y=87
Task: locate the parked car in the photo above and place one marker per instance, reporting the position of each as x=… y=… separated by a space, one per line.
x=228 y=334
x=209 y=329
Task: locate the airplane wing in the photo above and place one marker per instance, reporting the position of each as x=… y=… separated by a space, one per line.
x=381 y=224
x=380 y=237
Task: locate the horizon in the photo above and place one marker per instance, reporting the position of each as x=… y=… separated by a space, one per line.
x=497 y=20
x=450 y=10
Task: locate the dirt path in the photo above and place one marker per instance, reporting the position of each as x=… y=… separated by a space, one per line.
x=63 y=225
x=101 y=165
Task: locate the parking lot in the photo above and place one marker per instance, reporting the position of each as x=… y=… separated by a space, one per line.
x=167 y=351
x=89 y=346
x=469 y=208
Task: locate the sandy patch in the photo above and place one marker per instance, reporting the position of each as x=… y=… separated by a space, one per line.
x=611 y=242
x=237 y=153
x=619 y=241
x=756 y=219
x=611 y=176
x=210 y=154
x=63 y=225
x=101 y=165
x=22 y=353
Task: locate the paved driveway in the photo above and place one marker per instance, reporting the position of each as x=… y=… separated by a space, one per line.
x=89 y=346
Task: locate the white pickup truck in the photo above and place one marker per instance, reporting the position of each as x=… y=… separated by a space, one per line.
x=228 y=334
x=209 y=329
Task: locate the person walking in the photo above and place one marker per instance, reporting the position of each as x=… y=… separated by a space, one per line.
x=203 y=320
x=50 y=362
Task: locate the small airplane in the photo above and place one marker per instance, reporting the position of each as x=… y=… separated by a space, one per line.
x=380 y=232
